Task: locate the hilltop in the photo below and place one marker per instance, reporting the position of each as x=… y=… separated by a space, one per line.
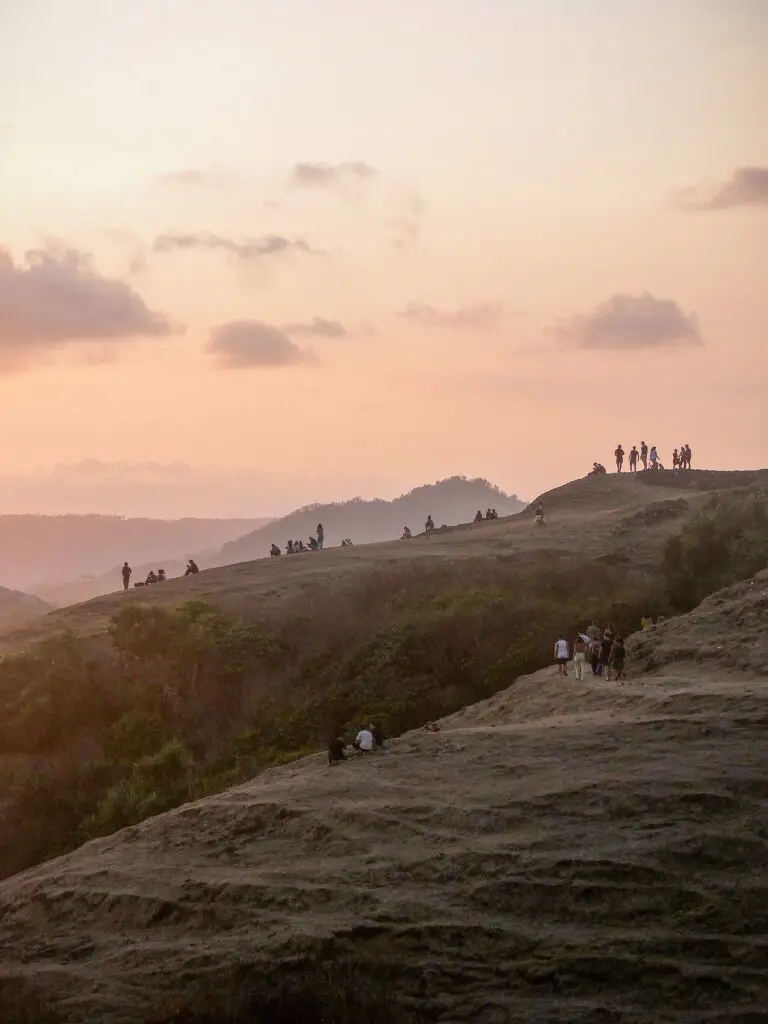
x=454 y=500
x=18 y=609
x=40 y=552
x=559 y=852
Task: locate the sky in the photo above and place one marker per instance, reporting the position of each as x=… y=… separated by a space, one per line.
x=255 y=255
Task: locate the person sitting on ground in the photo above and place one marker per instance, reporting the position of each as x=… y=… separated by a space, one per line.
x=127 y=570
x=274 y=551
x=301 y=546
x=478 y=516
x=494 y=514
x=431 y=727
x=377 y=733
x=617 y=657
x=192 y=568
x=406 y=533
x=429 y=525
x=619 y=453
x=365 y=741
x=347 y=543
x=160 y=575
x=151 y=577
x=313 y=545
x=336 y=751
x=561 y=655
x=633 y=457
x=289 y=548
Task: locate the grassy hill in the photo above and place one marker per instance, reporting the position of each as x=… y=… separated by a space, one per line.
x=455 y=500
x=558 y=851
x=18 y=609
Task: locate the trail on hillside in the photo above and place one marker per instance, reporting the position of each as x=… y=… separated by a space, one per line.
x=559 y=849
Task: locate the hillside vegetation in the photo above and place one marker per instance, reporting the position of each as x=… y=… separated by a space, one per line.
x=451 y=501
x=182 y=699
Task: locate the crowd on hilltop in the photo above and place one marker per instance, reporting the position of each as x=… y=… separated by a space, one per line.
x=648 y=457
x=154 y=577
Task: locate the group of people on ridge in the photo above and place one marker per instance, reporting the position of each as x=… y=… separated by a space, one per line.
x=602 y=650
x=154 y=577
x=681 y=458
x=368 y=739
x=295 y=547
x=490 y=513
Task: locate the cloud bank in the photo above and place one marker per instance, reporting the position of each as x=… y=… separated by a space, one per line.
x=320 y=175
x=57 y=297
x=480 y=316
x=250 y=249
x=630 y=322
x=244 y=344
x=747 y=186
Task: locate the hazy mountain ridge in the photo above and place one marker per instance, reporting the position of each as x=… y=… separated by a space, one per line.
x=40 y=551
x=17 y=608
x=367 y=521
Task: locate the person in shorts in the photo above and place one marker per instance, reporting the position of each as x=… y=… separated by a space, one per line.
x=561 y=656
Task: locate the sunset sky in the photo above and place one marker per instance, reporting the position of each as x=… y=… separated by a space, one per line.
x=254 y=255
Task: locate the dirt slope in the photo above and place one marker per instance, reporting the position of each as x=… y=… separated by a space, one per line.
x=561 y=852
x=619 y=518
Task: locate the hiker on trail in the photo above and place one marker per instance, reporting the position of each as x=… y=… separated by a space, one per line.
x=320 y=536
x=336 y=751
x=617 y=657
x=593 y=631
x=619 y=453
x=634 y=455
x=192 y=568
x=478 y=516
x=644 y=454
x=561 y=655
x=605 y=654
x=429 y=525
x=579 y=657
x=406 y=533
x=127 y=570
x=676 y=461
x=365 y=741
x=274 y=551
x=593 y=656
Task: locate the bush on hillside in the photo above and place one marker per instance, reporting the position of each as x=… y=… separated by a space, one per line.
x=725 y=542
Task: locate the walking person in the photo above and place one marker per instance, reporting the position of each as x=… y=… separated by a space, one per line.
x=617 y=658
x=561 y=655
x=644 y=454
x=127 y=570
x=619 y=453
x=634 y=455
x=579 y=657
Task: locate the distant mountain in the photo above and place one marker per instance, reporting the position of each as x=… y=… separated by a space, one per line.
x=18 y=609
x=451 y=501
x=37 y=551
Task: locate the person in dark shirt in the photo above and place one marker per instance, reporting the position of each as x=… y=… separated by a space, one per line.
x=127 y=570
x=605 y=654
x=378 y=734
x=336 y=751
x=618 y=657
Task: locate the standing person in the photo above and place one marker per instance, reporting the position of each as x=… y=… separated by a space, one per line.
x=579 y=657
x=677 y=462
x=127 y=570
x=561 y=655
x=320 y=536
x=633 y=457
x=644 y=454
x=619 y=453
x=618 y=657
x=605 y=654
x=688 y=453
x=593 y=653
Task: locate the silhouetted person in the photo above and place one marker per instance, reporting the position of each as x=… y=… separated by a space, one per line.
x=429 y=525
x=378 y=734
x=406 y=533
x=192 y=568
x=313 y=544
x=654 y=459
x=676 y=463
x=619 y=453
x=161 y=575
x=687 y=454
x=320 y=536
x=336 y=751
x=127 y=570
x=151 y=577
x=289 y=548
x=478 y=516
x=274 y=551
x=644 y=454
x=634 y=455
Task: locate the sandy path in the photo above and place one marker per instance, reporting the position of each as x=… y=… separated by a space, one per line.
x=562 y=852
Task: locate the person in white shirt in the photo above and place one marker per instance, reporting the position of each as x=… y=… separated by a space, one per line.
x=561 y=656
x=365 y=741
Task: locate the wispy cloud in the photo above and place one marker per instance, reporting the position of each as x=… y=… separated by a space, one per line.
x=318 y=327
x=56 y=297
x=747 y=186
x=406 y=223
x=322 y=175
x=630 y=322
x=244 y=344
x=249 y=249
x=481 y=316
